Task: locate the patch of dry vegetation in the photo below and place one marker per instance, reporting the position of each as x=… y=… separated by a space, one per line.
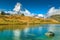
x=18 y=19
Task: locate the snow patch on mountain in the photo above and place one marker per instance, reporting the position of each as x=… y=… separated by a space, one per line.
x=53 y=11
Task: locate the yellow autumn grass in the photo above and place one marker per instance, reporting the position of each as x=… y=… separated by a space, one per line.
x=20 y=20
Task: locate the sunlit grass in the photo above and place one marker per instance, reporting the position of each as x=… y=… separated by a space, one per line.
x=20 y=22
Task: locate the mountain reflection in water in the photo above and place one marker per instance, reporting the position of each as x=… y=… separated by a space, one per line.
x=30 y=32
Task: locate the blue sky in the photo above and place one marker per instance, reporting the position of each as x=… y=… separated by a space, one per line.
x=34 y=6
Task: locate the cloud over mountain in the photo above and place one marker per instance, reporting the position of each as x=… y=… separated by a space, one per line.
x=40 y=15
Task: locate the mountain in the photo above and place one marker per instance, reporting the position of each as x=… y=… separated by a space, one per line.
x=56 y=17
x=20 y=15
x=38 y=16
x=19 y=9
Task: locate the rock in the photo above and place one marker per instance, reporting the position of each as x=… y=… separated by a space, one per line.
x=50 y=34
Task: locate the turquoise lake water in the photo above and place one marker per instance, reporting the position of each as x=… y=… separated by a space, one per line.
x=32 y=33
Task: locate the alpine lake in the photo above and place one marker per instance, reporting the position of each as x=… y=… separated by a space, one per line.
x=27 y=32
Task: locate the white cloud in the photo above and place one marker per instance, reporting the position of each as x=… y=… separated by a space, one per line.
x=39 y=16
x=11 y=12
x=53 y=11
x=8 y=11
x=17 y=7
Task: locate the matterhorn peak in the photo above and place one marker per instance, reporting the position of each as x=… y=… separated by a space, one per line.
x=17 y=7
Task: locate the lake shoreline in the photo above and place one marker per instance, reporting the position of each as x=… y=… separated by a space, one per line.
x=29 y=23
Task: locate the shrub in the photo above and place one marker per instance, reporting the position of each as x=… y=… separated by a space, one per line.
x=3 y=13
x=22 y=15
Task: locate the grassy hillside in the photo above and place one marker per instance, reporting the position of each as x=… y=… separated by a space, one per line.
x=18 y=19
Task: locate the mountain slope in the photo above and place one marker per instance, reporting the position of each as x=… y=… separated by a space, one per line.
x=18 y=19
x=56 y=17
